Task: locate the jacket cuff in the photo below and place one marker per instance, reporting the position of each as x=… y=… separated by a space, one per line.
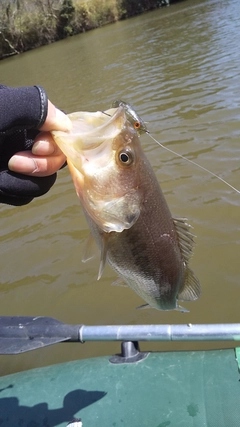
x=43 y=106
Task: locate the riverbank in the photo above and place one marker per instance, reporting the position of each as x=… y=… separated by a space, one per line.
x=27 y=24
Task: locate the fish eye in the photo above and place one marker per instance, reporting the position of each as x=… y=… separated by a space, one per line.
x=126 y=157
x=137 y=125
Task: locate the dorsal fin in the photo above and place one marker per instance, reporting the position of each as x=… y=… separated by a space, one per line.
x=185 y=237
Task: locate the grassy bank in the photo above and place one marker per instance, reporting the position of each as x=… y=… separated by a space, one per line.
x=26 y=24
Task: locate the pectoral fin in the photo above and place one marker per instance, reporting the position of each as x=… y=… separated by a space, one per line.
x=90 y=252
x=90 y=249
x=103 y=260
x=191 y=289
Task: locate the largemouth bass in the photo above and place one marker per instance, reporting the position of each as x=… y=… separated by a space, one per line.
x=126 y=210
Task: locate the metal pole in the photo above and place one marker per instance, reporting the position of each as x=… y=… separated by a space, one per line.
x=189 y=332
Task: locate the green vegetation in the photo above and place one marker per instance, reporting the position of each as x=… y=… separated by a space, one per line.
x=26 y=24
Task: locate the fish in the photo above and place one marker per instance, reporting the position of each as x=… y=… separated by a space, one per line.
x=126 y=210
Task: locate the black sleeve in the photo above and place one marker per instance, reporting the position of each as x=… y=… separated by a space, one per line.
x=22 y=107
x=23 y=110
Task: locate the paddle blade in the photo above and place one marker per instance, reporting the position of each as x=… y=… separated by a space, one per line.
x=23 y=333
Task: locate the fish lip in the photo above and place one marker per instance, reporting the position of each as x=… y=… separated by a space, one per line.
x=110 y=128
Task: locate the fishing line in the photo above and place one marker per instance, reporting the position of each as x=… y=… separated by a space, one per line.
x=194 y=163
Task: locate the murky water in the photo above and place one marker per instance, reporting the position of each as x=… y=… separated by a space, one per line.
x=179 y=67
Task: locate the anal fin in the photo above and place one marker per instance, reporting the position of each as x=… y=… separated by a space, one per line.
x=191 y=289
x=185 y=237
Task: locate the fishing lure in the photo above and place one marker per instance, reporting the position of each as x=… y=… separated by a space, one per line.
x=132 y=116
x=140 y=126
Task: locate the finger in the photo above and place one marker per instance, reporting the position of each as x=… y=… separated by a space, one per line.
x=28 y=164
x=56 y=120
x=44 y=145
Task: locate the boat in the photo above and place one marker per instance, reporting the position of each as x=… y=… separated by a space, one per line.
x=133 y=388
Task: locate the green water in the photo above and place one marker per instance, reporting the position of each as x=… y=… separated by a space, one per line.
x=179 y=67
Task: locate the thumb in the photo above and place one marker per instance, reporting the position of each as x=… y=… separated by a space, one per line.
x=56 y=120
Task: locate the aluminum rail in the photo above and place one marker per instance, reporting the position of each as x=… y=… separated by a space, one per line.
x=187 y=332
x=19 y=334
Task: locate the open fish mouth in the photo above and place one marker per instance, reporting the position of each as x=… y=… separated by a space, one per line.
x=90 y=129
x=88 y=140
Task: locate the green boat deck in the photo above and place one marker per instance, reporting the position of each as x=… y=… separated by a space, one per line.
x=177 y=389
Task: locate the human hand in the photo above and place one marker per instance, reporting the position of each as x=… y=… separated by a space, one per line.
x=45 y=157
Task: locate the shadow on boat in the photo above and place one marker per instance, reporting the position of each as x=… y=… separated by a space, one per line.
x=12 y=413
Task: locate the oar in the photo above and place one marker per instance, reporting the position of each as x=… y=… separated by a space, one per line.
x=20 y=334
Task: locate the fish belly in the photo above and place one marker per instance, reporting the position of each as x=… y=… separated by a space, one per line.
x=147 y=257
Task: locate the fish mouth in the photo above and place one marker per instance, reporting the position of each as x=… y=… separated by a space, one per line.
x=111 y=200
x=89 y=130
